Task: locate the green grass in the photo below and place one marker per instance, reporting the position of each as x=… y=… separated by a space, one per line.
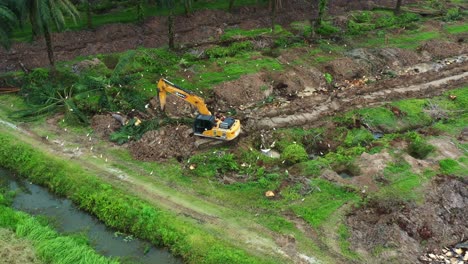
x=345 y=245
x=403 y=183
x=453 y=167
x=323 y=201
x=456 y=29
x=379 y=117
x=49 y=245
x=406 y=40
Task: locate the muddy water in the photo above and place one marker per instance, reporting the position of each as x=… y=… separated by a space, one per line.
x=67 y=218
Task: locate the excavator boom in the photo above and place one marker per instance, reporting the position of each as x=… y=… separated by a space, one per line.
x=165 y=86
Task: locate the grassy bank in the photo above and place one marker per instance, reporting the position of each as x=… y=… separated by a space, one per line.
x=49 y=246
x=117 y=209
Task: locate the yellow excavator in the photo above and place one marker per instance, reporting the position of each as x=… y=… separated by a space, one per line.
x=206 y=124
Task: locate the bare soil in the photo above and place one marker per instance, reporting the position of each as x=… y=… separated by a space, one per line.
x=16 y=251
x=169 y=142
x=104 y=125
x=387 y=232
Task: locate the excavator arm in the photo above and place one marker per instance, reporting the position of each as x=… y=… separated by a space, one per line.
x=165 y=86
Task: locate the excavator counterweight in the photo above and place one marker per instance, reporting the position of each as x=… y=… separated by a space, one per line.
x=206 y=124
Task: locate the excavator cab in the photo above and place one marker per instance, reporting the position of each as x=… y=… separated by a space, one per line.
x=203 y=123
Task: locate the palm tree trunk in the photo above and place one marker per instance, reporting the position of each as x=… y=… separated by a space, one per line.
x=188 y=7
x=170 y=27
x=139 y=10
x=231 y=5
x=273 y=15
x=33 y=25
x=321 y=12
x=89 y=16
x=398 y=7
x=50 y=51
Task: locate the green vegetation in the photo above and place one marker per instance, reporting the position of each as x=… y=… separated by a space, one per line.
x=323 y=201
x=117 y=209
x=452 y=167
x=345 y=245
x=455 y=29
x=294 y=153
x=49 y=245
x=418 y=147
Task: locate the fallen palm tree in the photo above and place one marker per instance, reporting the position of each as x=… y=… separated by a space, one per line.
x=4 y=90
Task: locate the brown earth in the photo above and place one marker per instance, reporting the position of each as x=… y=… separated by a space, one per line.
x=202 y=26
x=104 y=125
x=14 y=250
x=439 y=49
x=400 y=232
x=169 y=142
x=241 y=93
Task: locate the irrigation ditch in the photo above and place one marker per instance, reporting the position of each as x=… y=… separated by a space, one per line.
x=67 y=218
x=116 y=209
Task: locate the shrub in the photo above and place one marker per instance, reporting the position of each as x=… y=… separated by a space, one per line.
x=358 y=137
x=294 y=153
x=355 y=28
x=363 y=17
x=453 y=14
x=211 y=164
x=328 y=77
x=234 y=49
x=327 y=29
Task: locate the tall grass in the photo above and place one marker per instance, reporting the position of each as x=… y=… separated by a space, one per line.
x=50 y=246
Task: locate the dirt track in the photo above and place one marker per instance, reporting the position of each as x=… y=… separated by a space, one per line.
x=328 y=105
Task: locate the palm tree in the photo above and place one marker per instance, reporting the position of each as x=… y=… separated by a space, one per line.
x=170 y=21
x=187 y=7
x=8 y=20
x=89 y=14
x=231 y=5
x=46 y=14
x=322 y=7
x=398 y=7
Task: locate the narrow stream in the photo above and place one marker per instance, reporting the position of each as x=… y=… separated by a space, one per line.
x=67 y=218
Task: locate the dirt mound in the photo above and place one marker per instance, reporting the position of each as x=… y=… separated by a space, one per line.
x=375 y=60
x=345 y=69
x=169 y=142
x=243 y=92
x=291 y=83
x=439 y=49
x=104 y=125
x=400 y=232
